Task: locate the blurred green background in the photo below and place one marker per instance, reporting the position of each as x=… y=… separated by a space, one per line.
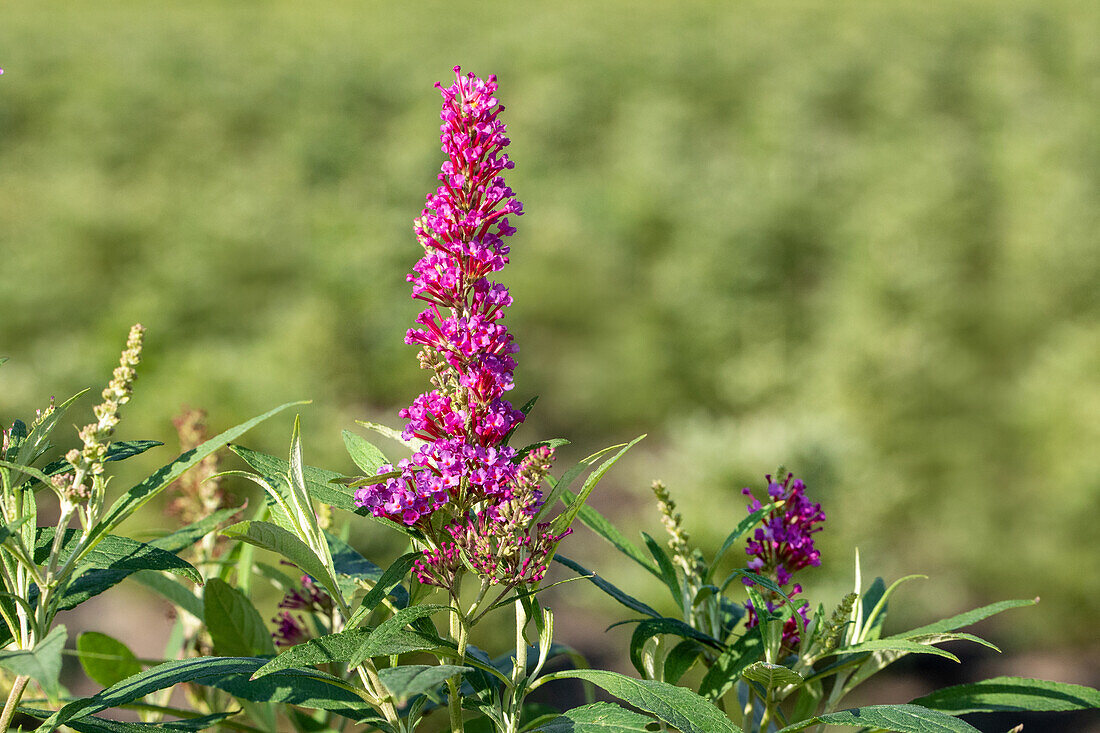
x=858 y=239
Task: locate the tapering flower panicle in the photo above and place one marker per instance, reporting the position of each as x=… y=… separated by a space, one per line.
x=784 y=545
x=88 y=462
x=464 y=419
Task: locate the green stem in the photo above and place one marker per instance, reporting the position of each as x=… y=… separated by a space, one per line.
x=14 y=696
x=519 y=669
x=460 y=633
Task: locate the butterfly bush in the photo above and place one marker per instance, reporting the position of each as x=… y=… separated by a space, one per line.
x=463 y=464
x=782 y=545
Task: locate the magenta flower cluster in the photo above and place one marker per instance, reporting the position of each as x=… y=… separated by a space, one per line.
x=783 y=545
x=465 y=418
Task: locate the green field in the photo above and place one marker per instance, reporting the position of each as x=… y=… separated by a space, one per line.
x=856 y=239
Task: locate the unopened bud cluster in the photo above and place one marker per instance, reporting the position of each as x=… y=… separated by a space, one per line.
x=88 y=461
x=499 y=542
x=673 y=524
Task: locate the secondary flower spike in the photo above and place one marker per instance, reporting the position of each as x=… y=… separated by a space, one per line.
x=784 y=545
x=464 y=418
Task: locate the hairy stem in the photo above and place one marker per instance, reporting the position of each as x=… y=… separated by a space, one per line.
x=14 y=696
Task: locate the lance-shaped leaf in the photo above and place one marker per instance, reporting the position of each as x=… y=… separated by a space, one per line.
x=965 y=619
x=368 y=458
x=597 y=717
x=627 y=600
x=105 y=659
x=114 y=552
x=42 y=663
x=1011 y=694
x=391 y=636
x=92 y=724
x=895 y=645
x=179 y=594
x=272 y=537
x=726 y=669
x=235 y=625
x=899 y=718
x=308 y=688
x=735 y=536
x=328 y=649
x=677 y=706
x=94 y=582
x=388 y=584
x=413 y=679
x=347 y=561
x=650 y=627
x=564 y=520
x=322 y=485
x=137 y=495
x=771 y=676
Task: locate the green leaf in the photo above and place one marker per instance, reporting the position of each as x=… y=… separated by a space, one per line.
x=42 y=664
x=677 y=706
x=331 y=648
x=234 y=624
x=348 y=561
x=105 y=659
x=272 y=537
x=966 y=619
x=604 y=528
x=412 y=679
x=727 y=668
x=627 y=600
x=114 y=552
x=320 y=485
x=94 y=582
x=392 y=434
x=11 y=529
x=894 y=645
x=680 y=659
x=653 y=626
x=564 y=520
x=388 y=584
x=526 y=410
x=876 y=616
x=391 y=636
x=668 y=570
x=559 y=486
x=137 y=495
x=119 y=451
x=548 y=443
x=771 y=675
x=308 y=688
x=597 y=717
x=734 y=537
x=175 y=591
x=92 y=724
x=368 y=458
x=899 y=718
x=1011 y=694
